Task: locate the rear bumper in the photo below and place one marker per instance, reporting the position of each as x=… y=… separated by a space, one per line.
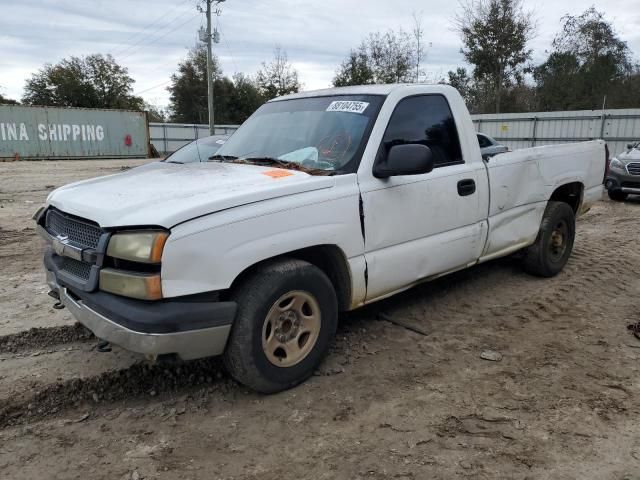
x=188 y=329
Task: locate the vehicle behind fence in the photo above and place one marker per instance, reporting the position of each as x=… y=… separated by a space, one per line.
x=522 y=130
x=169 y=137
x=39 y=133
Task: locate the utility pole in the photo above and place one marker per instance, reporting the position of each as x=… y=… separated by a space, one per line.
x=211 y=36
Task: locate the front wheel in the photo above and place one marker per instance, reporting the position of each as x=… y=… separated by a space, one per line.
x=552 y=248
x=287 y=316
x=617 y=195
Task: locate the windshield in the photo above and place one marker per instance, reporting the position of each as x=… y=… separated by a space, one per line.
x=319 y=133
x=197 y=151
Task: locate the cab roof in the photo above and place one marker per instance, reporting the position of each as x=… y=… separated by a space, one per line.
x=385 y=89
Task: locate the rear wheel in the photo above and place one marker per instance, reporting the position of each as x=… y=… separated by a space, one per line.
x=552 y=248
x=287 y=316
x=617 y=195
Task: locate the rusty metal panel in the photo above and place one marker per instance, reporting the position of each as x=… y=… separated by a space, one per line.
x=64 y=133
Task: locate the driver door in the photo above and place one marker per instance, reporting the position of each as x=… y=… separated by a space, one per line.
x=419 y=226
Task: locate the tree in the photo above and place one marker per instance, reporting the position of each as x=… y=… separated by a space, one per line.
x=588 y=61
x=495 y=34
x=388 y=57
x=234 y=99
x=245 y=99
x=462 y=82
x=188 y=91
x=355 y=70
x=419 y=54
x=92 y=81
x=155 y=113
x=278 y=77
x=7 y=101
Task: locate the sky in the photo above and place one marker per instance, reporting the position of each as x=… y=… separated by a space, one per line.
x=151 y=37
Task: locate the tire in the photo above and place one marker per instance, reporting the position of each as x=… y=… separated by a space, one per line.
x=552 y=248
x=269 y=348
x=617 y=195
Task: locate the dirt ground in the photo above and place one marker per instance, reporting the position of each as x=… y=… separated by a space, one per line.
x=387 y=403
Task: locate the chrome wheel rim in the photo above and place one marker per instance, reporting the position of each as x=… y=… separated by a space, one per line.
x=291 y=328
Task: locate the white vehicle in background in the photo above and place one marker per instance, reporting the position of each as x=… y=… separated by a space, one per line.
x=490 y=147
x=321 y=202
x=198 y=150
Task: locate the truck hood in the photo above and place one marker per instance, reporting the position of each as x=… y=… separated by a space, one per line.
x=166 y=194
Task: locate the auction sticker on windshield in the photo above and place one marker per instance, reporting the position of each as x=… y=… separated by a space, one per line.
x=350 y=106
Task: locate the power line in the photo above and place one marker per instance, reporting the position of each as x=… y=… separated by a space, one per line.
x=158 y=68
x=233 y=58
x=152 y=88
x=146 y=38
x=119 y=50
x=156 y=39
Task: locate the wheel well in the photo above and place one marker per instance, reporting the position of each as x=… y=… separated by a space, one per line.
x=570 y=193
x=328 y=258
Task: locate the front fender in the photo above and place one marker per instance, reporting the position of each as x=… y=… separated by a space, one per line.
x=208 y=253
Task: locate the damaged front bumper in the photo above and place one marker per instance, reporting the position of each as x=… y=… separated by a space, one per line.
x=188 y=329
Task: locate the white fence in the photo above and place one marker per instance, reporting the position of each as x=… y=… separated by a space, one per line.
x=516 y=130
x=168 y=137
x=522 y=130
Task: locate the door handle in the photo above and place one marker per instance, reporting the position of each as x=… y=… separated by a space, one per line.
x=466 y=187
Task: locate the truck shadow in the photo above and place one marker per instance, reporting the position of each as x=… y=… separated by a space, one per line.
x=442 y=289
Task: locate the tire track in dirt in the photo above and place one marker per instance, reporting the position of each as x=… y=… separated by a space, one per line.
x=38 y=338
x=136 y=381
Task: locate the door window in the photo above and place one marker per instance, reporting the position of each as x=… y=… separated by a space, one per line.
x=484 y=141
x=425 y=120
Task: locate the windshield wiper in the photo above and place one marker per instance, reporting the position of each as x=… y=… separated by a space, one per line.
x=270 y=161
x=174 y=161
x=285 y=164
x=222 y=158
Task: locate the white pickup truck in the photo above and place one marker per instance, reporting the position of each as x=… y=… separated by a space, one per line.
x=321 y=202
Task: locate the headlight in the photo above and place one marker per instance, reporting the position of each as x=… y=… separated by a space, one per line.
x=133 y=285
x=143 y=246
x=617 y=165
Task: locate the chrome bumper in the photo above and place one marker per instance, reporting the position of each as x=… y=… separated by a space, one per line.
x=187 y=345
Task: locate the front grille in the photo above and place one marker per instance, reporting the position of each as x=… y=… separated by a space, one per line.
x=80 y=270
x=82 y=233
x=633 y=168
x=630 y=184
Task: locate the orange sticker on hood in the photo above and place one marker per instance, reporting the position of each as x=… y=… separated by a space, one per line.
x=277 y=173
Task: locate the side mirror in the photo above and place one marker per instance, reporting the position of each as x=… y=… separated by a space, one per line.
x=630 y=146
x=410 y=159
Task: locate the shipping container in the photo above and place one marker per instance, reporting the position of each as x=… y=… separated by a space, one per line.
x=34 y=133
